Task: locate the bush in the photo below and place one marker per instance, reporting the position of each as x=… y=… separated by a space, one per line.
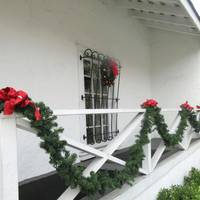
x=190 y=190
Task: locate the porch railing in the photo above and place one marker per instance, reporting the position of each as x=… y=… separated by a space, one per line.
x=8 y=147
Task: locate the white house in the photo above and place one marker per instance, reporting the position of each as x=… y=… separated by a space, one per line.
x=43 y=46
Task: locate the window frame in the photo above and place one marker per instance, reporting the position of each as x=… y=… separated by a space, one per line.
x=83 y=126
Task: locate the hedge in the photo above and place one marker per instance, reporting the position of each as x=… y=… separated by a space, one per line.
x=190 y=190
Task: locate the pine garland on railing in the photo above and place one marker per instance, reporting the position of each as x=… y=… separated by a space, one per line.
x=42 y=119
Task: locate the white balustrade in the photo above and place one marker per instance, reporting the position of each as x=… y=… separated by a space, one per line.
x=8 y=148
x=8 y=159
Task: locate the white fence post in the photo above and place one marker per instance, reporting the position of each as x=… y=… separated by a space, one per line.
x=146 y=163
x=97 y=163
x=8 y=159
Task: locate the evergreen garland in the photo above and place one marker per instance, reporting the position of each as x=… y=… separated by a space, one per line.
x=64 y=162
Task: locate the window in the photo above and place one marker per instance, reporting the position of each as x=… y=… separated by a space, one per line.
x=100 y=127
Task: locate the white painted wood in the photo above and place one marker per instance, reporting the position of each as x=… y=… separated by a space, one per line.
x=94 y=111
x=171 y=27
x=116 y=160
x=97 y=163
x=191 y=13
x=175 y=124
x=161 y=18
x=146 y=163
x=187 y=137
x=93 y=151
x=196 y=5
x=116 y=142
x=8 y=159
x=65 y=112
x=82 y=118
x=157 y=8
x=24 y=125
x=1 y=176
x=198 y=116
x=142 y=171
x=169 y=171
x=157 y=155
x=149 y=163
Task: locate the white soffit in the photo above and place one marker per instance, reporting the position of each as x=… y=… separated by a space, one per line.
x=196 y=6
x=173 y=15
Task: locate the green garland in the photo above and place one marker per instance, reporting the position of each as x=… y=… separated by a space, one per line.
x=64 y=162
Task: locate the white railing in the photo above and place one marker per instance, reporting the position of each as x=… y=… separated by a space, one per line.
x=8 y=148
x=8 y=159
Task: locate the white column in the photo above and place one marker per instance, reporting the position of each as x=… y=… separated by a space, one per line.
x=187 y=137
x=8 y=159
x=146 y=163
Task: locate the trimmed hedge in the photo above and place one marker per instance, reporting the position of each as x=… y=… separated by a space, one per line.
x=190 y=190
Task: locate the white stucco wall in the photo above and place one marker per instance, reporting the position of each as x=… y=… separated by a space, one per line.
x=175 y=68
x=38 y=53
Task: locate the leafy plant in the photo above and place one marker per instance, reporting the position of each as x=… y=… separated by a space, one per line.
x=190 y=190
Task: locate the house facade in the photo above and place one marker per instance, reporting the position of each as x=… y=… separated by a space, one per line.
x=41 y=44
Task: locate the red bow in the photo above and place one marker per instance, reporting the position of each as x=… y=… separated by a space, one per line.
x=149 y=103
x=115 y=69
x=13 y=98
x=187 y=106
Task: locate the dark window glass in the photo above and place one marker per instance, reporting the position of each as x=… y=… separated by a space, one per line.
x=100 y=127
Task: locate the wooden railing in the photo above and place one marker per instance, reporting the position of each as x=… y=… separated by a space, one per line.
x=8 y=148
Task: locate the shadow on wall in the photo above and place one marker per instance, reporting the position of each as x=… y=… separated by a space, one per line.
x=48 y=188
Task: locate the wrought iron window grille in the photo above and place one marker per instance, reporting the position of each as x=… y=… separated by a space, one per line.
x=97 y=95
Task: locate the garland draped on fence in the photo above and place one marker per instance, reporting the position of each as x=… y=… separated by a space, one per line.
x=42 y=119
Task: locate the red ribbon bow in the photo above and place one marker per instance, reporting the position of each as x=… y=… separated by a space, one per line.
x=13 y=98
x=187 y=106
x=115 y=69
x=149 y=103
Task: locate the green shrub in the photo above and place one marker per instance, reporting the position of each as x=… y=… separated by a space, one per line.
x=190 y=190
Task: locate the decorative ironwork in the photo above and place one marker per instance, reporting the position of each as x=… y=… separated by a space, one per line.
x=99 y=127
